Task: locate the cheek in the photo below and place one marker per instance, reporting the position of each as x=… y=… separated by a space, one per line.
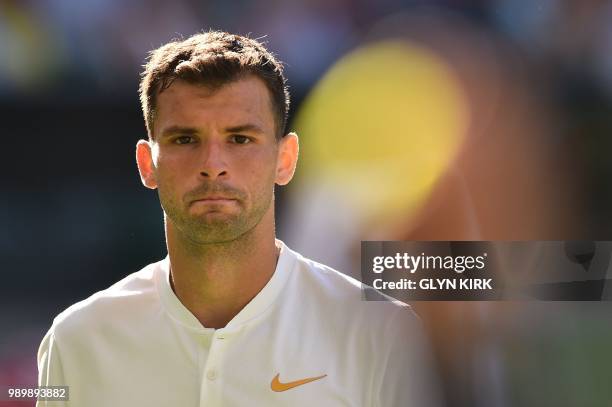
x=170 y=179
x=166 y=186
x=174 y=166
x=264 y=180
x=258 y=174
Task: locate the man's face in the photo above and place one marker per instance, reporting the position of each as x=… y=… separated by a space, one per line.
x=214 y=158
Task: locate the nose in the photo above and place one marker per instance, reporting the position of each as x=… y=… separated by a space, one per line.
x=213 y=164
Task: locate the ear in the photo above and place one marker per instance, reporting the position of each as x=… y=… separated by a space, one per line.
x=144 y=159
x=288 y=151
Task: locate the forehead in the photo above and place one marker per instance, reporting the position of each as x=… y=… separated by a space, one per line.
x=246 y=100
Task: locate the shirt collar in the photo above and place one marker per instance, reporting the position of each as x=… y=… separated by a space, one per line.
x=257 y=306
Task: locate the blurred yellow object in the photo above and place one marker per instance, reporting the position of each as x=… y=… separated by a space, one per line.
x=383 y=125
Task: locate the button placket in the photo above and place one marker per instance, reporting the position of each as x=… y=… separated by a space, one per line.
x=211 y=374
x=211 y=392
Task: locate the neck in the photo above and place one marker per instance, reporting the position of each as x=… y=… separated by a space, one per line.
x=215 y=281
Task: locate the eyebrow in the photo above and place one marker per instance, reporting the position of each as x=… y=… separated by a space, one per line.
x=247 y=127
x=244 y=127
x=178 y=130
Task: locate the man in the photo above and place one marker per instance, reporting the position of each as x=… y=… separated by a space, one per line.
x=231 y=317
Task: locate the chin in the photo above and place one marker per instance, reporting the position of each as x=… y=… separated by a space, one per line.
x=218 y=230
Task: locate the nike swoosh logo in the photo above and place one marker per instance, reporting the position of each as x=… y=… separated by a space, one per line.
x=277 y=386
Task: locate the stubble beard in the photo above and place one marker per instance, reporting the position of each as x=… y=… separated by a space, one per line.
x=215 y=228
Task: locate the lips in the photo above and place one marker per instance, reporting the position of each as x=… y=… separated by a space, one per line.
x=213 y=199
x=214 y=193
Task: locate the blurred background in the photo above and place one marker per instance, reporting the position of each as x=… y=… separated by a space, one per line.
x=423 y=120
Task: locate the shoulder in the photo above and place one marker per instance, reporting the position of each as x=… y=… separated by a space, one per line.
x=375 y=325
x=337 y=292
x=131 y=296
x=336 y=284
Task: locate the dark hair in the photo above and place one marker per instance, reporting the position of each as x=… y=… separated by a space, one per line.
x=213 y=59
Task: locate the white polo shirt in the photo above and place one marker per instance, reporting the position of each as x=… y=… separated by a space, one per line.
x=306 y=339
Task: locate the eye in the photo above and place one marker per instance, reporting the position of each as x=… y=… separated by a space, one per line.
x=239 y=139
x=183 y=140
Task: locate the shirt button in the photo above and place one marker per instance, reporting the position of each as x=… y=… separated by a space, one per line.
x=211 y=374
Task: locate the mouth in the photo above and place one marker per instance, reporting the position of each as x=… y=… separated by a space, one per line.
x=213 y=200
